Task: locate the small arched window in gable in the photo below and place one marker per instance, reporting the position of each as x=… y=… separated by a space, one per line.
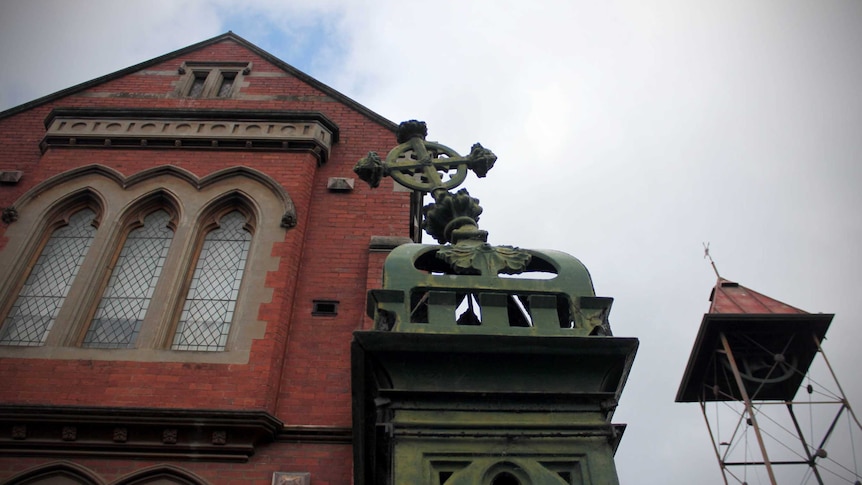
x=209 y=307
x=126 y=299
x=33 y=313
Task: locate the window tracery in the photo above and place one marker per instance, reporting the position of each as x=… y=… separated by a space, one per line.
x=211 y=299
x=130 y=291
x=34 y=311
x=126 y=299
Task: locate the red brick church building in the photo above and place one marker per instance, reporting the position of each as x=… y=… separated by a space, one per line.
x=184 y=257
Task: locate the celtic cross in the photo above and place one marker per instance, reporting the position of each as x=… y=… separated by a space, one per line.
x=417 y=163
x=452 y=218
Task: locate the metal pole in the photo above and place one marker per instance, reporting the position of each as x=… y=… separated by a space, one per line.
x=712 y=438
x=835 y=378
x=811 y=462
x=748 y=407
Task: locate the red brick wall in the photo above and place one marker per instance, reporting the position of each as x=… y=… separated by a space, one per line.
x=300 y=371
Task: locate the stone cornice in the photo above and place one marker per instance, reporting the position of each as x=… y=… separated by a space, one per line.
x=316 y=434
x=196 y=129
x=139 y=432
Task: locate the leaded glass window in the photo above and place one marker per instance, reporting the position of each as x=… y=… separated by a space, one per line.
x=124 y=304
x=226 y=85
x=208 y=310
x=33 y=313
x=197 y=86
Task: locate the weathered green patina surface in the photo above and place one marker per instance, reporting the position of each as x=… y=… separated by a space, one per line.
x=472 y=376
x=421 y=292
x=415 y=156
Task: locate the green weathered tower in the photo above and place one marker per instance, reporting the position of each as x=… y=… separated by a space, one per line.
x=473 y=378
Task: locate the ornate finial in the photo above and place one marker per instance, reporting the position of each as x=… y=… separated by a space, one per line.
x=417 y=164
x=411 y=129
x=706 y=255
x=453 y=217
x=370 y=169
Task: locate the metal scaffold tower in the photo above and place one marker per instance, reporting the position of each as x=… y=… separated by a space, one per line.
x=773 y=406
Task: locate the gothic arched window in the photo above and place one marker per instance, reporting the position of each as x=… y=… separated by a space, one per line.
x=211 y=299
x=160 y=279
x=31 y=316
x=126 y=299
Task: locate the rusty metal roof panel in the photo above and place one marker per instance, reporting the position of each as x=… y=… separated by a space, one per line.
x=758 y=327
x=731 y=297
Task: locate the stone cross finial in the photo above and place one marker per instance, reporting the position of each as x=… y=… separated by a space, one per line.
x=416 y=163
x=420 y=165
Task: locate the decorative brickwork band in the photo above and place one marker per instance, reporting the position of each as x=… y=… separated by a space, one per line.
x=218 y=130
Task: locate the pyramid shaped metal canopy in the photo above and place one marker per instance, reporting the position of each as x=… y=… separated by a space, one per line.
x=730 y=297
x=773 y=342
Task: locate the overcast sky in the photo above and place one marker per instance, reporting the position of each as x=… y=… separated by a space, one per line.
x=628 y=133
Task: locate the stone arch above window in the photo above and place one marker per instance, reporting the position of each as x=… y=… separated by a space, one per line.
x=288 y=217
x=162 y=475
x=57 y=473
x=506 y=473
x=48 y=269
x=143 y=242
x=194 y=205
x=210 y=301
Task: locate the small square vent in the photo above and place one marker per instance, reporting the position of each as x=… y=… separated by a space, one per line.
x=324 y=308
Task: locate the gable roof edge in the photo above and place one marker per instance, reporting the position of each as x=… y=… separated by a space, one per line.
x=386 y=123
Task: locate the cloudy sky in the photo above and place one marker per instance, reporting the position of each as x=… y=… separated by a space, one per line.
x=628 y=134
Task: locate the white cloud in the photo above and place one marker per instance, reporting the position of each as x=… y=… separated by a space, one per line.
x=628 y=133
x=54 y=44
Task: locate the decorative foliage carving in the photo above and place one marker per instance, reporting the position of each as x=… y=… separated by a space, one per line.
x=411 y=129
x=384 y=321
x=70 y=433
x=370 y=169
x=219 y=437
x=169 y=436
x=121 y=435
x=594 y=321
x=484 y=259
x=450 y=212
x=19 y=432
x=481 y=160
x=10 y=215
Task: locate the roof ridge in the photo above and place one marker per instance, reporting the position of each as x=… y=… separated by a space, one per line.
x=229 y=35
